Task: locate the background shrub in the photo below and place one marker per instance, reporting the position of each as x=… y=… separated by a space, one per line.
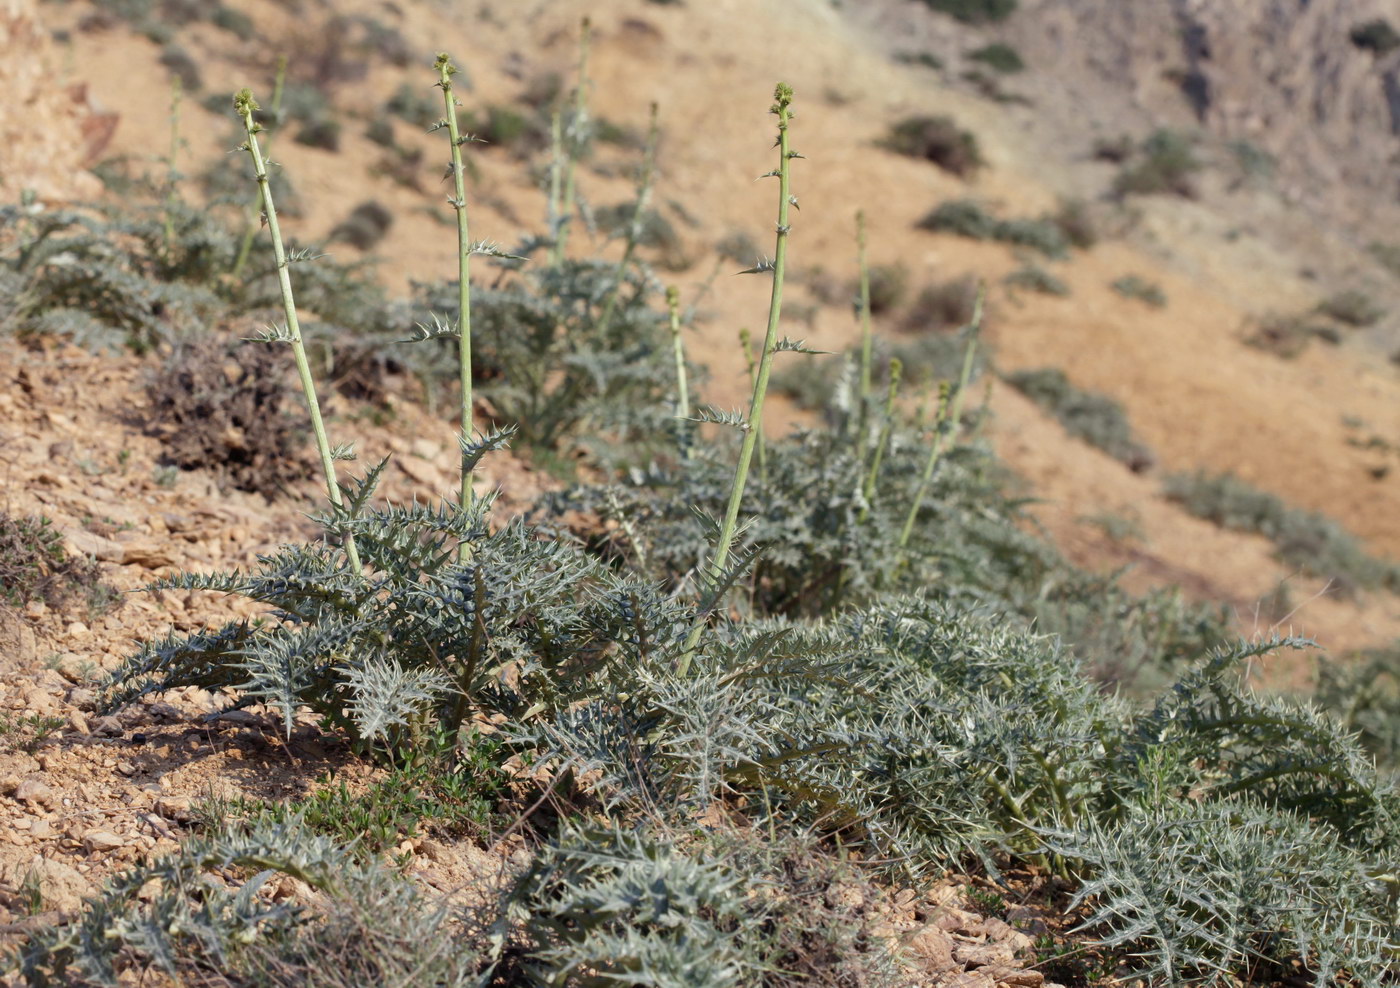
x=975 y=11
x=967 y=218
x=228 y=407
x=35 y=566
x=1136 y=287
x=1165 y=164
x=944 y=305
x=1033 y=278
x=1352 y=307
x=366 y=225
x=1095 y=418
x=937 y=139
x=1312 y=542
x=1376 y=36
x=1000 y=57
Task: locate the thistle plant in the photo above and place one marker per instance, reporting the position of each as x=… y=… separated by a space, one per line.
x=575 y=139
x=290 y=332
x=254 y=208
x=751 y=368
x=782 y=109
x=634 y=229
x=458 y=201
x=947 y=423
x=172 y=174
x=865 y=330
x=872 y=476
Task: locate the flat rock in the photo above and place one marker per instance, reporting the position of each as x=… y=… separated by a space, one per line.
x=80 y=542
x=33 y=791
x=102 y=840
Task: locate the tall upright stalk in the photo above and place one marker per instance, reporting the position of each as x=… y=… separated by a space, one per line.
x=751 y=365
x=250 y=219
x=172 y=174
x=245 y=106
x=634 y=229
x=866 y=335
x=872 y=475
x=446 y=70
x=946 y=427
x=782 y=104
x=673 y=307
x=578 y=128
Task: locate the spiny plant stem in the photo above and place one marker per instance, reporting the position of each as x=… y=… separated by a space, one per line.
x=866 y=334
x=782 y=104
x=673 y=307
x=946 y=426
x=245 y=106
x=746 y=342
x=250 y=219
x=446 y=70
x=873 y=474
x=172 y=173
x=634 y=229
x=577 y=128
x=556 y=167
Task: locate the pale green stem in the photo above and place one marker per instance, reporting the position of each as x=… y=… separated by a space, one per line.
x=577 y=128
x=866 y=335
x=556 y=168
x=464 y=292
x=250 y=219
x=245 y=106
x=673 y=305
x=948 y=427
x=873 y=474
x=746 y=342
x=783 y=101
x=173 y=173
x=634 y=230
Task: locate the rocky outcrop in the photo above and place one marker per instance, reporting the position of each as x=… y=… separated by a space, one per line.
x=50 y=130
x=1284 y=75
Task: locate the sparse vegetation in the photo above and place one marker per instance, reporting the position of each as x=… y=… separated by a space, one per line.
x=968 y=218
x=1137 y=287
x=1376 y=36
x=1034 y=278
x=937 y=139
x=999 y=57
x=1165 y=163
x=1353 y=308
x=1312 y=542
x=1287 y=336
x=1095 y=418
x=35 y=566
x=975 y=11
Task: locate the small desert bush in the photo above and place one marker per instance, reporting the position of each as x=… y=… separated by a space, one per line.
x=1136 y=287
x=1288 y=336
x=937 y=139
x=1076 y=221
x=999 y=57
x=34 y=565
x=1165 y=163
x=975 y=11
x=1095 y=418
x=968 y=218
x=1314 y=543
x=1033 y=278
x=944 y=305
x=1376 y=36
x=367 y=224
x=1353 y=308
x=226 y=406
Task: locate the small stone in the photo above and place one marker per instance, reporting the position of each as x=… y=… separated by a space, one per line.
x=239 y=717
x=1012 y=978
x=933 y=948
x=82 y=698
x=107 y=727
x=78 y=630
x=102 y=840
x=174 y=807
x=35 y=609
x=984 y=955
x=126 y=768
x=78 y=722
x=83 y=543
x=33 y=791
x=955 y=920
x=41 y=829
